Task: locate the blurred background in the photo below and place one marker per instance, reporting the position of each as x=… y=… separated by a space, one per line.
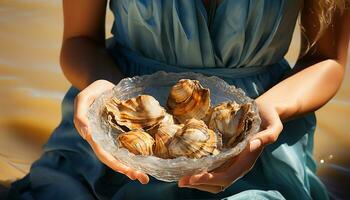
x=32 y=87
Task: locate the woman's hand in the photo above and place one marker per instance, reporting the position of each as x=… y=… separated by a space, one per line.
x=225 y=175
x=82 y=102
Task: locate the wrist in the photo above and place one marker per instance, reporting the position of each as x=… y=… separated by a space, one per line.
x=280 y=107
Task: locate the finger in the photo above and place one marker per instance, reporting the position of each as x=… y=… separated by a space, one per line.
x=226 y=174
x=212 y=178
x=142 y=177
x=265 y=137
x=118 y=167
x=226 y=165
x=230 y=172
x=206 y=188
x=114 y=164
x=82 y=103
x=108 y=159
x=273 y=126
x=184 y=181
x=215 y=176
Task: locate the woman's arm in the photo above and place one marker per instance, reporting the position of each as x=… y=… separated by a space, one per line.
x=306 y=90
x=84 y=58
x=313 y=81
x=318 y=75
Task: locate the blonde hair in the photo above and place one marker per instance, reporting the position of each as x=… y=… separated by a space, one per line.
x=325 y=10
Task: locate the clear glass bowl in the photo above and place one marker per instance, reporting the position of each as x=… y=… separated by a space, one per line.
x=158 y=85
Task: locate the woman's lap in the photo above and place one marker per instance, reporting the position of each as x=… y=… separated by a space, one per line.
x=55 y=177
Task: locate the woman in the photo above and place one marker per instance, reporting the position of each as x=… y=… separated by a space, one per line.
x=247 y=41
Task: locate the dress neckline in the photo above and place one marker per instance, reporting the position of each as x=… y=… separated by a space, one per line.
x=212 y=10
x=207 y=3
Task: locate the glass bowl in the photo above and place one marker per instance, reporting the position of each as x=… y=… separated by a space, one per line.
x=158 y=85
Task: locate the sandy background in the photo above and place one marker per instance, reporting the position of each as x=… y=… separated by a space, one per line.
x=32 y=87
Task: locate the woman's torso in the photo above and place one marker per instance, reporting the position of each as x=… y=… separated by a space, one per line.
x=173 y=34
x=243 y=33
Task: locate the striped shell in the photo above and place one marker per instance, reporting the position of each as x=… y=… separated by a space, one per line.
x=231 y=120
x=194 y=140
x=142 y=112
x=137 y=141
x=188 y=99
x=162 y=137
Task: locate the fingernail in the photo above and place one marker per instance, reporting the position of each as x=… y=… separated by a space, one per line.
x=84 y=131
x=143 y=182
x=255 y=144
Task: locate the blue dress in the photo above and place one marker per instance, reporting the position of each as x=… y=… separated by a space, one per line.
x=244 y=43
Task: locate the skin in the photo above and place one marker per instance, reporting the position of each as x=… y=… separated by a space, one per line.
x=87 y=65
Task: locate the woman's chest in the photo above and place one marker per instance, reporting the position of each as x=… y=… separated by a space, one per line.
x=217 y=31
x=163 y=11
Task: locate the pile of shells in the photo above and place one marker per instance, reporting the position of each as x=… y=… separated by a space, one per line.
x=188 y=127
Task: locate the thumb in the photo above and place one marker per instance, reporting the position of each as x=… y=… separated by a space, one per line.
x=265 y=137
x=81 y=105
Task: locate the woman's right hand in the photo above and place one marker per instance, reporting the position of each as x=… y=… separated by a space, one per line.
x=81 y=105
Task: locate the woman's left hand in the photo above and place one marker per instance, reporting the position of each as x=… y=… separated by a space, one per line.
x=225 y=175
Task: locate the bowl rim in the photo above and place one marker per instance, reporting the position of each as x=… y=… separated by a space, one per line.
x=169 y=162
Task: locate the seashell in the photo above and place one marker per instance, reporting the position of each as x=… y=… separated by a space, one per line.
x=142 y=112
x=168 y=120
x=231 y=120
x=162 y=137
x=188 y=99
x=194 y=140
x=137 y=141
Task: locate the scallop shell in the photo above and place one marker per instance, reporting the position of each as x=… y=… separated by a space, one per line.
x=188 y=99
x=231 y=120
x=162 y=137
x=137 y=141
x=168 y=120
x=142 y=112
x=194 y=140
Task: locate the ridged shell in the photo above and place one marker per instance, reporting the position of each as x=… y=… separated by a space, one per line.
x=142 y=112
x=168 y=120
x=188 y=99
x=162 y=137
x=137 y=141
x=231 y=120
x=194 y=140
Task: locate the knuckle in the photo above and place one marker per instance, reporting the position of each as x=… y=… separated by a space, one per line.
x=279 y=126
x=271 y=138
x=130 y=175
x=137 y=174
